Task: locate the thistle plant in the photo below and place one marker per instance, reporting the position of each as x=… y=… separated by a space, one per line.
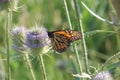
x=38 y=41
x=35 y=41
x=19 y=38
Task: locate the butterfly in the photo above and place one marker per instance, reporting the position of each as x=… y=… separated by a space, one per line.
x=61 y=39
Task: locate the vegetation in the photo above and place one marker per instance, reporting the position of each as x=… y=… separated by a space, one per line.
x=97 y=53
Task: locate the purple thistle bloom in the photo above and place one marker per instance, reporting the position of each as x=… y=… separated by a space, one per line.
x=104 y=75
x=18 y=30
x=37 y=38
x=18 y=37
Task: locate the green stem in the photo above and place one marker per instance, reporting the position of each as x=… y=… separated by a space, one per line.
x=43 y=66
x=97 y=16
x=83 y=38
x=30 y=66
x=7 y=45
x=76 y=51
x=78 y=58
x=67 y=12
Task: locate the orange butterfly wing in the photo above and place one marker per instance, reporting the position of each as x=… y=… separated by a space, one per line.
x=61 y=39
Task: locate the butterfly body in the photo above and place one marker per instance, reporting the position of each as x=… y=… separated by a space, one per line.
x=61 y=39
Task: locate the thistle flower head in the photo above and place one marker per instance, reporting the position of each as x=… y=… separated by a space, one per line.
x=18 y=36
x=104 y=75
x=37 y=38
x=18 y=30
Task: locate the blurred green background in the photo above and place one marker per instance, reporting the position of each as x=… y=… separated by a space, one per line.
x=52 y=15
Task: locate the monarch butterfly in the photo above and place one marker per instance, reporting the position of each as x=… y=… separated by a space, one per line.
x=61 y=39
